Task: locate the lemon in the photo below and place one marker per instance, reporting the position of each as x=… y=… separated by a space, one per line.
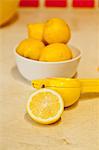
x=36 y=30
x=56 y=31
x=30 y=48
x=7 y=11
x=56 y=52
x=45 y=106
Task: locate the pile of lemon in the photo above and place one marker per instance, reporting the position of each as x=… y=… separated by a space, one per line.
x=47 y=41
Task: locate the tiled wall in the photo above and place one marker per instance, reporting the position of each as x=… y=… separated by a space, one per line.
x=60 y=3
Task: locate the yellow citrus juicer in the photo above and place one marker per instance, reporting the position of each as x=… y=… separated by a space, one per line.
x=69 y=89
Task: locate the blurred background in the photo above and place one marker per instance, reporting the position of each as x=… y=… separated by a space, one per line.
x=8 y=7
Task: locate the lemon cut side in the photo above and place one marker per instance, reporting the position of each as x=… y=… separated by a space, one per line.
x=45 y=106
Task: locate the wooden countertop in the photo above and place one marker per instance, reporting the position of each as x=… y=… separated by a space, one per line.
x=78 y=128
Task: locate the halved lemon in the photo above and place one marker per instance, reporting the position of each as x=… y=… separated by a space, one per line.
x=45 y=106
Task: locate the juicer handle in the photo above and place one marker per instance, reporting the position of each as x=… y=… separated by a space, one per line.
x=89 y=85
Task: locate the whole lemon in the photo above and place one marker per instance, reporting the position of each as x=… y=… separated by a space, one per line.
x=36 y=30
x=30 y=48
x=56 y=52
x=56 y=31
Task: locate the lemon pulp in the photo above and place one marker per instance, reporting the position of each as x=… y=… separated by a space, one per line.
x=44 y=102
x=45 y=106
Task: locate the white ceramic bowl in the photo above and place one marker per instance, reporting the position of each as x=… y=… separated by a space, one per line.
x=31 y=69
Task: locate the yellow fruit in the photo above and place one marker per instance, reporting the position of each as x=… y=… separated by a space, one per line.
x=45 y=106
x=35 y=31
x=30 y=48
x=7 y=10
x=56 y=31
x=56 y=52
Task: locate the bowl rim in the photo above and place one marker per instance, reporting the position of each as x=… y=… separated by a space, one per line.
x=59 y=62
